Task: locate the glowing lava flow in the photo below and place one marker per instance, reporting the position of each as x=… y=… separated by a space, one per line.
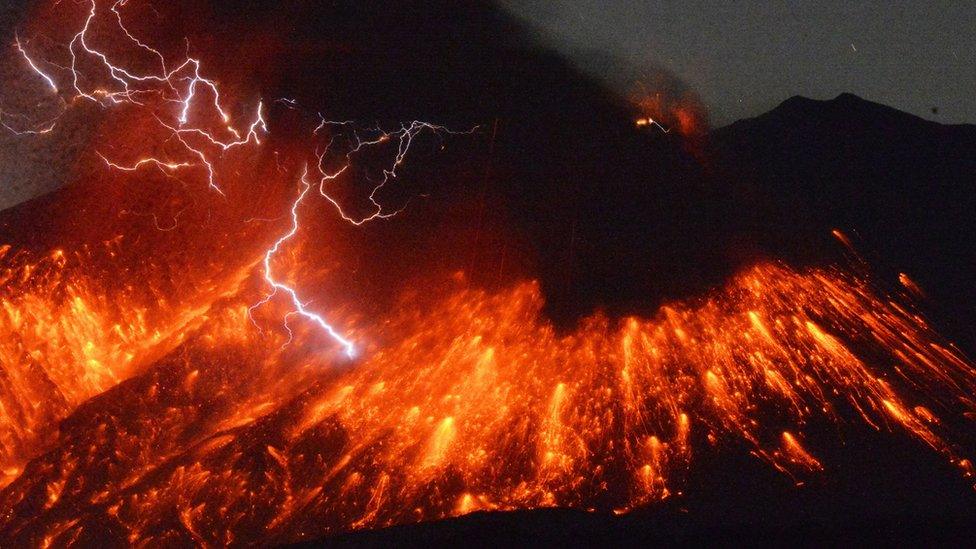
x=67 y=336
x=62 y=331
x=479 y=404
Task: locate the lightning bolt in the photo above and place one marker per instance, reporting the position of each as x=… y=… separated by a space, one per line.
x=404 y=136
x=41 y=128
x=184 y=86
x=33 y=65
x=277 y=286
x=181 y=85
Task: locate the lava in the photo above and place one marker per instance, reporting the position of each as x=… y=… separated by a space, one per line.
x=479 y=403
x=67 y=338
x=150 y=412
x=682 y=112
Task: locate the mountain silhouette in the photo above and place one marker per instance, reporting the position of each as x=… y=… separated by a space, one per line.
x=901 y=186
x=558 y=183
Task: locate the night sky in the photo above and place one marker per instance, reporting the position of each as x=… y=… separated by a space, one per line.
x=744 y=58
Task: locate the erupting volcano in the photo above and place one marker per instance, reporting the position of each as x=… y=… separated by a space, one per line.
x=254 y=319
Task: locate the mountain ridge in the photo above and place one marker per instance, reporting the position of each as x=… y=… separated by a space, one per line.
x=797 y=106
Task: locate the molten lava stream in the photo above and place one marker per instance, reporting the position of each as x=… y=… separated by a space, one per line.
x=66 y=336
x=475 y=402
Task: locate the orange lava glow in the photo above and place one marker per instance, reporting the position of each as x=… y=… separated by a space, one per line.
x=469 y=401
x=65 y=339
x=683 y=114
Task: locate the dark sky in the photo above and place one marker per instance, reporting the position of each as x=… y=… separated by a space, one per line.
x=743 y=58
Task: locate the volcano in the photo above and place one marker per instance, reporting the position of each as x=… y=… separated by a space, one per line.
x=405 y=275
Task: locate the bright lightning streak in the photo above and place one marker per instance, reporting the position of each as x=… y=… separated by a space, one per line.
x=181 y=85
x=405 y=136
x=33 y=65
x=184 y=86
x=299 y=307
x=44 y=129
x=172 y=166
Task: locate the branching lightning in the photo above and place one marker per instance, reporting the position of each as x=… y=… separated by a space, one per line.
x=479 y=403
x=276 y=285
x=185 y=87
x=404 y=136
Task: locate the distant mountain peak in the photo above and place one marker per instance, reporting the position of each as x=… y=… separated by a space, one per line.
x=846 y=103
x=846 y=110
x=850 y=97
